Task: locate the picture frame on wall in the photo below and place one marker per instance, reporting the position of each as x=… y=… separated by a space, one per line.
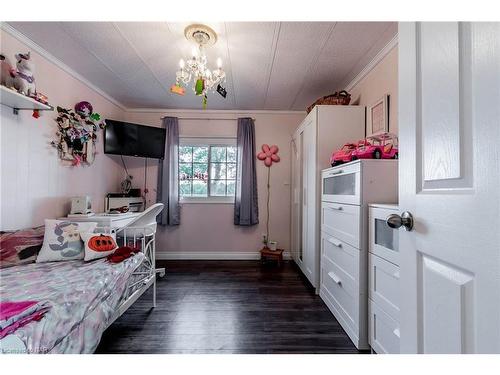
x=378 y=116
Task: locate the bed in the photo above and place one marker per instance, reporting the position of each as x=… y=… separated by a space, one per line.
x=85 y=297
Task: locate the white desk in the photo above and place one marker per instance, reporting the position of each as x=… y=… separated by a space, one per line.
x=106 y=220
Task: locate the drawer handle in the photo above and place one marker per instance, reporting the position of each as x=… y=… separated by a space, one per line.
x=338 y=208
x=335 y=278
x=396 y=332
x=334 y=242
x=336 y=172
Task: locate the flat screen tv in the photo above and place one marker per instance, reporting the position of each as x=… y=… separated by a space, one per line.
x=124 y=138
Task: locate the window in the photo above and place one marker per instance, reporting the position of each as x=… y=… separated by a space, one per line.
x=207 y=170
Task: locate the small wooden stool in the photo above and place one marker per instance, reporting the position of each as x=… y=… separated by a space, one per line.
x=268 y=254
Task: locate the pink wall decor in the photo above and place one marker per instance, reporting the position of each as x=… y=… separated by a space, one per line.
x=77 y=134
x=269 y=154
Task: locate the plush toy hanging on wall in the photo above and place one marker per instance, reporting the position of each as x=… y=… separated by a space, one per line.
x=268 y=155
x=77 y=133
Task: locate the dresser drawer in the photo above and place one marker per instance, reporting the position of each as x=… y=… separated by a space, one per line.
x=341 y=221
x=384 y=287
x=383 y=240
x=341 y=290
x=342 y=254
x=383 y=331
x=342 y=184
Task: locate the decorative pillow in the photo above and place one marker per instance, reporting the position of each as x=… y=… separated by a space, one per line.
x=98 y=245
x=63 y=241
x=21 y=246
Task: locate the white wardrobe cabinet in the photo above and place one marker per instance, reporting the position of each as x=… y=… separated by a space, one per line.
x=325 y=129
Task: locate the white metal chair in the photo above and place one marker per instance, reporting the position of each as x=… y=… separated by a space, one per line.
x=147 y=219
x=144 y=226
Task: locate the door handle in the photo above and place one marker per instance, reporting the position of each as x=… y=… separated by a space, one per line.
x=335 y=278
x=395 y=221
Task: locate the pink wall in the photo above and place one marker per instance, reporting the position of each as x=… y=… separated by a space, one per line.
x=383 y=79
x=34 y=184
x=209 y=227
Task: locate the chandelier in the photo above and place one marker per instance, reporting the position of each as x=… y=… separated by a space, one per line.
x=195 y=69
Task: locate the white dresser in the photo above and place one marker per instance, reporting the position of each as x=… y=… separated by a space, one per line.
x=384 y=291
x=346 y=191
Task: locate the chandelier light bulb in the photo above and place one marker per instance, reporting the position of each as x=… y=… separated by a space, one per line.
x=181 y=64
x=219 y=63
x=194 y=52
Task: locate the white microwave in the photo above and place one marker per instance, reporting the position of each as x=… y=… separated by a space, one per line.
x=341 y=184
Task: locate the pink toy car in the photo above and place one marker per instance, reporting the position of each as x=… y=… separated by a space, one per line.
x=343 y=155
x=379 y=146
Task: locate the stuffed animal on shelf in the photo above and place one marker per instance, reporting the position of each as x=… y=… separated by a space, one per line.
x=23 y=79
x=5 y=68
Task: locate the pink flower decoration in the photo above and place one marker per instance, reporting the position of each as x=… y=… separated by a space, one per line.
x=269 y=154
x=77 y=160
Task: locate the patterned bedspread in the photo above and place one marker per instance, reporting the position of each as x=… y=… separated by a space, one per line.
x=83 y=297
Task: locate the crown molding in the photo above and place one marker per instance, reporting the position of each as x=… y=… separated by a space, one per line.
x=215 y=111
x=373 y=63
x=54 y=60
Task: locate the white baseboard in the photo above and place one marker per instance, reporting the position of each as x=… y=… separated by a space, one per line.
x=212 y=255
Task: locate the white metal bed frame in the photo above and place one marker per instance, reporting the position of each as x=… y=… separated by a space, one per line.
x=144 y=274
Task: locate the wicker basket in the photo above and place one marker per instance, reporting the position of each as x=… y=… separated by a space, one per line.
x=338 y=98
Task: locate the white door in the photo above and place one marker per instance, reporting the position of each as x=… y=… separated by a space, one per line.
x=304 y=198
x=310 y=176
x=449 y=131
x=296 y=224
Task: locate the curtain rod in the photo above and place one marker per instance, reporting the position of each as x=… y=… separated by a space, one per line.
x=205 y=118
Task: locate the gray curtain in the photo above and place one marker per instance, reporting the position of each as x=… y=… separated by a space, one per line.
x=168 y=182
x=246 y=205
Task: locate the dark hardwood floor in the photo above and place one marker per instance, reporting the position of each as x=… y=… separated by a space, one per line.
x=228 y=307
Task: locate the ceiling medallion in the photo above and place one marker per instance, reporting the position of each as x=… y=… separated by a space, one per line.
x=204 y=79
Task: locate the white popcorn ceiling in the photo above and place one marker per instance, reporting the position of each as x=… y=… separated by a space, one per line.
x=269 y=65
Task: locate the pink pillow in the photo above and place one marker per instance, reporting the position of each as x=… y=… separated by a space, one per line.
x=21 y=246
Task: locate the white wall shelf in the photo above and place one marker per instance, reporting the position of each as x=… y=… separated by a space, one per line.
x=19 y=102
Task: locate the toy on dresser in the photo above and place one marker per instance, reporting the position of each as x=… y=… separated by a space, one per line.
x=377 y=146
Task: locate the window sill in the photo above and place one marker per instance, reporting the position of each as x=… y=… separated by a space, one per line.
x=206 y=201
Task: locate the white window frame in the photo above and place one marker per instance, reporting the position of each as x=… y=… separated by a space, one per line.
x=206 y=141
